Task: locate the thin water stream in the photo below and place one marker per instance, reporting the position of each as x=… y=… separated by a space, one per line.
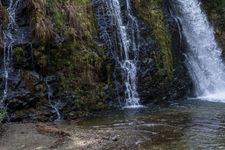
x=9 y=40
x=128 y=37
x=54 y=105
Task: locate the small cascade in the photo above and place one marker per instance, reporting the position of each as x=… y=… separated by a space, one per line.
x=55 y=106
x=9 y=38
x=203 y=57
x=125 y=48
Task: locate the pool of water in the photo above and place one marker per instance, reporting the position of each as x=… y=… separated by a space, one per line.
x=189 y=124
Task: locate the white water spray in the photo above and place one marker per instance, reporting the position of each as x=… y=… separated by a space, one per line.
x=203 y=56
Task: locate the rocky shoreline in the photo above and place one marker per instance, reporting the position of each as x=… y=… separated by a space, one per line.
x=45 y=136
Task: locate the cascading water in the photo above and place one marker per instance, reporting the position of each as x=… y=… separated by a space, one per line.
x=127 y=35
x=203 y=57
x=129 y=45
x=9 y=40
x=55 y=106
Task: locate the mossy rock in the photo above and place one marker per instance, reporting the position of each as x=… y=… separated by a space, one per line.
x=151 y=12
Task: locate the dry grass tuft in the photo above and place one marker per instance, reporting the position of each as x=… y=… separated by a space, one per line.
x=39 y=5
x=72 y=19
x=42 y=28
x=70 y=13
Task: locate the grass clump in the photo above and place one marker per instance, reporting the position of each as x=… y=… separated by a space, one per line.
x=41 y=26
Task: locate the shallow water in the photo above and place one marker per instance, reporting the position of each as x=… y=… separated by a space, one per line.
x=189 y=124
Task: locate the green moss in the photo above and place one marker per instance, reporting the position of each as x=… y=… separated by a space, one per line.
x=151 y=12
x=41 y=58
x=17 y=53
x=57 y=13
x=78 y=59
x=85 y=16
x=40 y=87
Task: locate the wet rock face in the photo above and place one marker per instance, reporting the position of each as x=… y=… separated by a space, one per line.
x=147 y=52
x=162 y=74
x=22 y=34
x=154 y=84
x=26 y=87
x=153 y=90
x=54 y=41
x=87 y=78
x=146 y=64
x=27 y=98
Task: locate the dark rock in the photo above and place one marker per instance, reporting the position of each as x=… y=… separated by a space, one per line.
x=115 y=138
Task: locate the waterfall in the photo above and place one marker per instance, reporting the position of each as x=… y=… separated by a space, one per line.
x=9 y=34
x=203 y=56
x=129 y=45
x=117 y=16
x=55 y=106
